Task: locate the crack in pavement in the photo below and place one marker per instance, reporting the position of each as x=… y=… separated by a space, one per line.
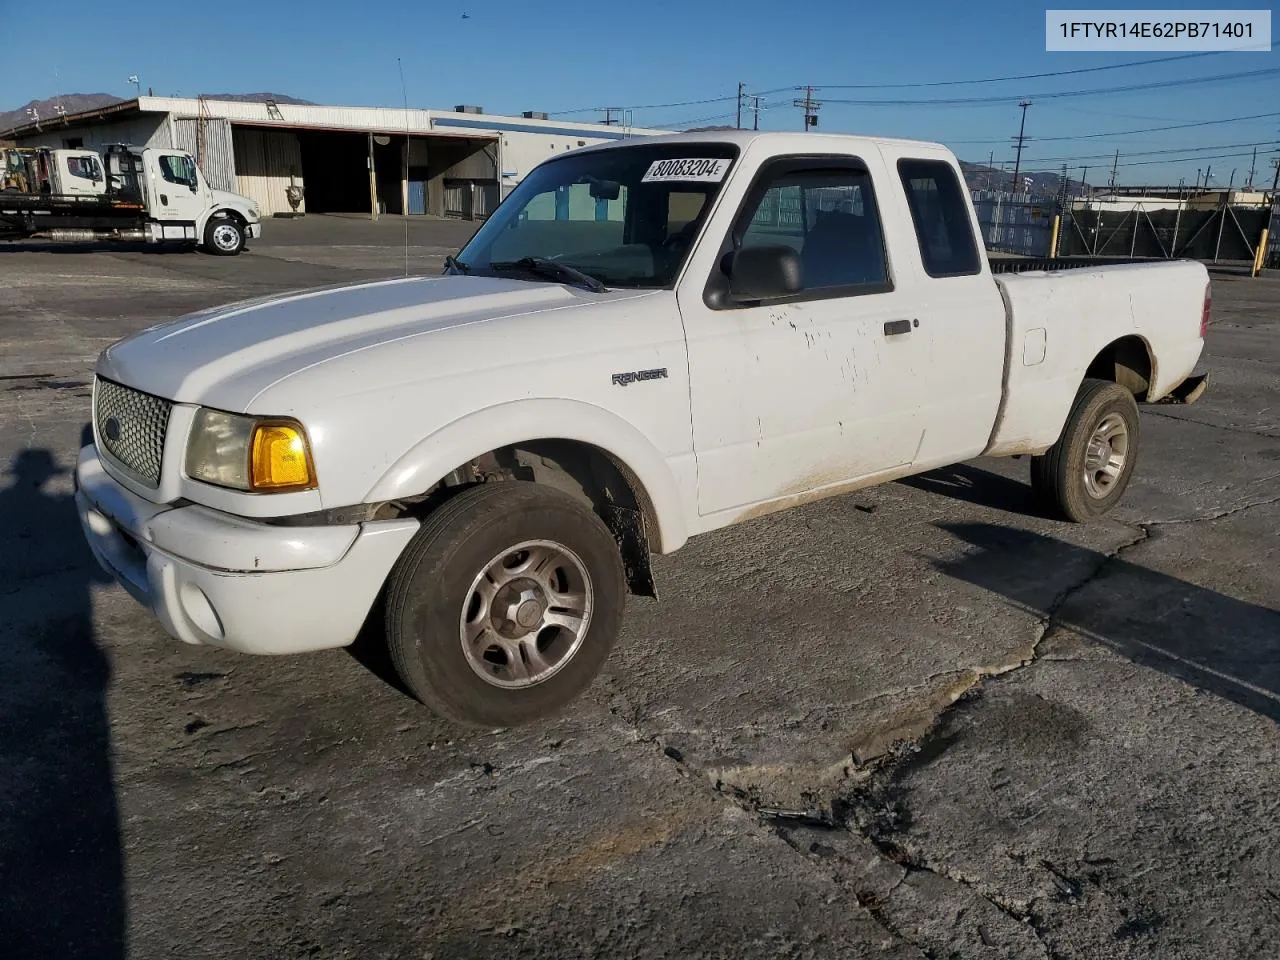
x=876 y=775
x=1213 y=426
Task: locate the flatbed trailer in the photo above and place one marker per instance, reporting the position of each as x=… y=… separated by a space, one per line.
x=150 y=195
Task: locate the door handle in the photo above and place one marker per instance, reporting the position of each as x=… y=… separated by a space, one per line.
x=893 y=328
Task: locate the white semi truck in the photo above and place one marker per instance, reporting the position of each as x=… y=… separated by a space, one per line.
x=126 y=194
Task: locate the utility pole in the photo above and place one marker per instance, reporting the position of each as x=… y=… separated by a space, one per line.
x=738 y=124
x=1253 y=164
x=1021 y=139
x=1084 y=180
x=755 y=110
x=1264 y=241
x=608 y=115
x=991 y=162
x=810 y=107
x=1114 y=164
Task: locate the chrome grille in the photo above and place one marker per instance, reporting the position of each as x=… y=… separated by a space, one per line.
x=131 y=427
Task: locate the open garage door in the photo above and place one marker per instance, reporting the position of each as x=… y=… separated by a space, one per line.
x=335 y=168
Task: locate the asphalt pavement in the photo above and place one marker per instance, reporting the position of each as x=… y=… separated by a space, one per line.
x=920 y=720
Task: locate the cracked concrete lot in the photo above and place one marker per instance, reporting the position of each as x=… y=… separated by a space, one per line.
x=916 y=721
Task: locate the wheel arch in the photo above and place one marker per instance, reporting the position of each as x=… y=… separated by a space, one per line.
x=591 y=448
x=1128 y=361
x=222 y=211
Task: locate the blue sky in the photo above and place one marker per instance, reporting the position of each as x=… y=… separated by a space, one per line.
x=562 y=55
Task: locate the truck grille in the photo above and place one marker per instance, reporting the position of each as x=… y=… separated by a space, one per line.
x=131 y=427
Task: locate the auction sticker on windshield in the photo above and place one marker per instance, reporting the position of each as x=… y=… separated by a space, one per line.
x=707 y=170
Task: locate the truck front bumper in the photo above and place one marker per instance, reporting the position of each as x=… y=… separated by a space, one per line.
x=211 y=578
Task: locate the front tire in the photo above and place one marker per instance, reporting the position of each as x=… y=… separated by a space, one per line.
x=223 y=236
x=505 y=605
x=1084 y=474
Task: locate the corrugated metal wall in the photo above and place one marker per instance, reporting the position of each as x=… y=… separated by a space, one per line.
x=267 y=162
x=218 y=162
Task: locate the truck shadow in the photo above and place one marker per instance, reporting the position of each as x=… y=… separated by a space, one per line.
x=49 y=246
x=977 y=486
x=61 y=865
x=1200 y=636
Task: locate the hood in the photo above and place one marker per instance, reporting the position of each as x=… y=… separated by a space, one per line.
x=225 y=356
x=228 y=199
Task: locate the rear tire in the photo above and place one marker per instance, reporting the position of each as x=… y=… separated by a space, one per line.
x=505 y=605
x=223 y=237
x=1084 y=474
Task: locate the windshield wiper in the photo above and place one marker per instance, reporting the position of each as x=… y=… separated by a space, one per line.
x=546 y=267
x=453 y=263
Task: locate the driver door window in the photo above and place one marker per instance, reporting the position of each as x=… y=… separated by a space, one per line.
x=178 y=169
x=830 y=219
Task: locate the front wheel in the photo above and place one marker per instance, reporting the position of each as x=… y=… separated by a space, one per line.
x=223 y=237
x=505 y=605
x=1085 y=473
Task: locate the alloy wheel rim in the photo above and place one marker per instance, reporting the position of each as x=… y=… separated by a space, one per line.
x=1106 y=455
x=526 y=614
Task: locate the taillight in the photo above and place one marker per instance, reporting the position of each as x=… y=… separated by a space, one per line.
x=1206 y=311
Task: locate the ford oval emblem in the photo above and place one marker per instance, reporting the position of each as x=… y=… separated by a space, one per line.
x=112 y=429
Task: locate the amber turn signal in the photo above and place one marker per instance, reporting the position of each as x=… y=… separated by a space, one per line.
x=281 y=458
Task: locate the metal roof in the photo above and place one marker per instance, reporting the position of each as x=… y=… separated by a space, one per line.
x=321 y=117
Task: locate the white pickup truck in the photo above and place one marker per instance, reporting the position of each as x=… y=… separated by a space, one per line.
x=645 y=342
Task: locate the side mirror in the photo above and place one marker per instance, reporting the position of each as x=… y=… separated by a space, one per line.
x=759 y=273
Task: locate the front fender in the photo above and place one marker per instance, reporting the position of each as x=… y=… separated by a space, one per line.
x=243 y=213
x=519 y=421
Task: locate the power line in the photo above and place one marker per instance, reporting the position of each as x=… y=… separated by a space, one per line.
x=1062 y=94
x=1024 y=76
x=894 y=86
x=1126 y=133
x=1171 y=161
x=662 y=106
x=1152 y=153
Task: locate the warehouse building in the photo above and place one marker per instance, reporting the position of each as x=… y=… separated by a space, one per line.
x=372 y=160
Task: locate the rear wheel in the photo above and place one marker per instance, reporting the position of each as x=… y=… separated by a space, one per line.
x=1085 y=473
x=505 y=605
x=223 y=236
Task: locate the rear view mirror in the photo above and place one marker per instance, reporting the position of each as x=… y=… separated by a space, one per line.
x=760 y=273
x=605 y=189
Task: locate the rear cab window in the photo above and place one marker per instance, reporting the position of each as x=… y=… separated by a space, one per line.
x=86 y=168
x=940 y=214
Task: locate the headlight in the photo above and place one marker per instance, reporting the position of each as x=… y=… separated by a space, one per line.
x=257 y=454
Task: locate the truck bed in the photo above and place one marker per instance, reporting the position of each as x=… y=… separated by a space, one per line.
x=76 y=205
x=1061 y=315
x=1005 y=265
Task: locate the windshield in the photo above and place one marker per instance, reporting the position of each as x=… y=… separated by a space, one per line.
x=625 y=216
